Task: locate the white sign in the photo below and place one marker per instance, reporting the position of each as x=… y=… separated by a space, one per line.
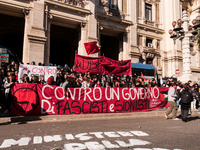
x=32 y=70
x=177 y=71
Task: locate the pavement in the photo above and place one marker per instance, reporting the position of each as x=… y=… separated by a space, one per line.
x=141 y=133
x=7 y=119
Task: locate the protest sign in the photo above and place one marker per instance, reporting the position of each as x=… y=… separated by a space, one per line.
x=101 y=65
x=37 y=99
x=32 y=70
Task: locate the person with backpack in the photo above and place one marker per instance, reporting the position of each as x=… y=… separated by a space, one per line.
x=186 y=99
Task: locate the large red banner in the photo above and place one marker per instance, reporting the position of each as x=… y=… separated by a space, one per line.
x=101 y=65
x=37 y=99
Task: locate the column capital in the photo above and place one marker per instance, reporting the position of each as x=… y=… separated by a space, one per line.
x=50 y=16
x=83 y=23
x=26 y=11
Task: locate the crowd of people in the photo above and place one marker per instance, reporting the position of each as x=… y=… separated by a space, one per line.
x=67 y=78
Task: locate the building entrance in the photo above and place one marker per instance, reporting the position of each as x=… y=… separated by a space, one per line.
x=63 y=44
x=12 y=34
x=109 y=46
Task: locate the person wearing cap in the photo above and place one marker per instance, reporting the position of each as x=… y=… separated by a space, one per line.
x=66 y=68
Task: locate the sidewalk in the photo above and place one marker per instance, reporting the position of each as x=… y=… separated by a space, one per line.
x=59 y=118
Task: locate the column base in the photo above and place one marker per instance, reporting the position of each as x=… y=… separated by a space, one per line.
x=186 y=77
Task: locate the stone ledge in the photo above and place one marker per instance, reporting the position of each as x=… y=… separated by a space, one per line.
x=37 y=39
x=68 y=6
x=115 y=19
x=193 y=69
x=145 y=26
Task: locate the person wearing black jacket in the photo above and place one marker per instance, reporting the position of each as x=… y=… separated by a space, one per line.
x=186 y=99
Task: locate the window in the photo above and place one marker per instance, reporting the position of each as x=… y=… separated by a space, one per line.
x=149 y=61
x=191 y=48
x=148 y=42
x=113 y=4
x=148 y=11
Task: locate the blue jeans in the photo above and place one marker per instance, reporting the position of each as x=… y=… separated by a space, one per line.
x=177 y=102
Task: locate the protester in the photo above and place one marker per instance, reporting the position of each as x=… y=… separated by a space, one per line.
x=67 y=83
x=172 y=103
x=186 y=99
x=42 y=80
x=86 y=83
x=23 y=77
x=35 y=79
x=50 y=80
x=66 y=77
x=194 y=97
x=10 y=80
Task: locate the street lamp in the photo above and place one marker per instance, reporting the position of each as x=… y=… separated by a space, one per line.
x=179 y=33
x=195 y=30
x=186 y=33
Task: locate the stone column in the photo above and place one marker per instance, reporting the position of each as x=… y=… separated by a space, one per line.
x=143 y=9
x=120 y=56
x=26 y=31
x=48 y=18
x=83 y=39
x=92 y=24
x=125 y=47
x=154 y=12
x=187 y=74
x=144 y=41
x=34 y=38
x=155 y=42
x=120 y=5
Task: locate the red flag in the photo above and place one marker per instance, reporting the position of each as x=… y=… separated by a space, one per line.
x=91 y=47
x=143 y=77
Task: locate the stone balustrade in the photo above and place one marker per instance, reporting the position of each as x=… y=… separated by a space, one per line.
x=110 y=12
x=79 y=3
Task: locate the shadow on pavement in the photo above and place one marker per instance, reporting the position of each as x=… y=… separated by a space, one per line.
x=21 y=120
x=192 y=118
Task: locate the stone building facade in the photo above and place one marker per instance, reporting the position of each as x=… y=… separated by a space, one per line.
x=53 y=30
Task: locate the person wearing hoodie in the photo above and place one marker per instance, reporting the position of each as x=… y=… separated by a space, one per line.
x=186 y=99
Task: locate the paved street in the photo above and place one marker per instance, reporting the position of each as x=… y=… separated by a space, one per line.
x=129 y=133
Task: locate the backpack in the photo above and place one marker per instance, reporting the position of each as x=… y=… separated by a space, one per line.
x=186 y=98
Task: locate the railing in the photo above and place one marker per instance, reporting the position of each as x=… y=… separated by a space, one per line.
x=111 y=12
x=149 y=22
